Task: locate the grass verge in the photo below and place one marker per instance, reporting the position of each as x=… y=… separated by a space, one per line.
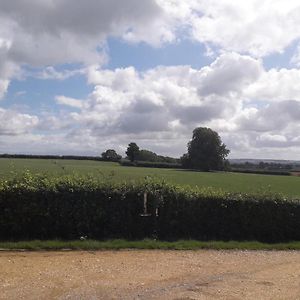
x=145 y=244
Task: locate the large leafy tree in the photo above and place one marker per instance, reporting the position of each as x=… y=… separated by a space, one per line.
x=133 y=151
x=111 y=155
x=205 y=151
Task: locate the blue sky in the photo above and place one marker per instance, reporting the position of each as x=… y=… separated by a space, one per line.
x=104 y=74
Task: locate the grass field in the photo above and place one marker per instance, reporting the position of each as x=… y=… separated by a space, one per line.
x=144 y=244
x=232 y=182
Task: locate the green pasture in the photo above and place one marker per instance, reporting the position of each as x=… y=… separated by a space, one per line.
x=232 y=182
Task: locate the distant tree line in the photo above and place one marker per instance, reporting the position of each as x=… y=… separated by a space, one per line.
x=262 y=166
x=37 y=156
x=135 y=154
x=268 y=168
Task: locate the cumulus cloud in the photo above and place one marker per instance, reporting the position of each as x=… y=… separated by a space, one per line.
x=43 y=33
x=229 y=73
x=46 y=33
x=275 y=116
x=14 y=123
x=136 y=102
x=62 y=31
x=276 y=85
x=237 y=25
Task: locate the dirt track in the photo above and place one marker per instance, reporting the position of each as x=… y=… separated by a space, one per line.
x=150 y=275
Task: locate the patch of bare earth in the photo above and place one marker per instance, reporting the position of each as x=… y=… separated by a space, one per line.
x=150 y=275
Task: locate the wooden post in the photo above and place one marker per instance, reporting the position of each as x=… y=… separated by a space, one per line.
x=145 y=212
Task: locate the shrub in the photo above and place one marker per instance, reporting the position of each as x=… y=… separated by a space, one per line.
x=72 y=206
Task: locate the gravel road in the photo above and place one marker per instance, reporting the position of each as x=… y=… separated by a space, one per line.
x=150 y=274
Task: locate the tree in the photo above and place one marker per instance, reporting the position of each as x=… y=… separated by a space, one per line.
x=205 y=151
x=111 y=155
x=133 y=151
x=146 y=155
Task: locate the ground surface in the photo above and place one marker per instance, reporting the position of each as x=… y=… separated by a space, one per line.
x=231 y=182
x=150 y=275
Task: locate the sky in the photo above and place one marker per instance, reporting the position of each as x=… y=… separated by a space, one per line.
x=79 y=77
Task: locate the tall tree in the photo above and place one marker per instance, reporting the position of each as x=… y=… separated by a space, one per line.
x=133 y=151
x=205 y=151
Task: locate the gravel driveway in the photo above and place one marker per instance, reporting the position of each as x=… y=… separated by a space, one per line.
x=150 y=274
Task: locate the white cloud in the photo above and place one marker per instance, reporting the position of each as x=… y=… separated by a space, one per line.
x=230 y=72
x=255 y=27
x=43 y=32
x=295 y=60
x=77 y=103
x=272 y=138
x=15 y=123
x=51 y=73
x=3 y=87
x=47 y=33
x=276 y=85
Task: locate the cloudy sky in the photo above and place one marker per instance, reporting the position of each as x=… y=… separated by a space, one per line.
x=78 y=77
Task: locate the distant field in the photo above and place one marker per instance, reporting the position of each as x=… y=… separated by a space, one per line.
x=232 y=182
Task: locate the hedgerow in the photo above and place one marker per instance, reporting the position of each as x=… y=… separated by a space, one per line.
x=150 y=164
x=262 y=172
x=37 y=207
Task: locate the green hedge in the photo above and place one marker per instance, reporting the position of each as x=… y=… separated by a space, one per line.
x=70 y=207
x=262 y=172
x=150 y=164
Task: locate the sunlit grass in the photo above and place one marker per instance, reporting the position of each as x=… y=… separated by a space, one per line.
x=230 y=182
x=145 y=244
